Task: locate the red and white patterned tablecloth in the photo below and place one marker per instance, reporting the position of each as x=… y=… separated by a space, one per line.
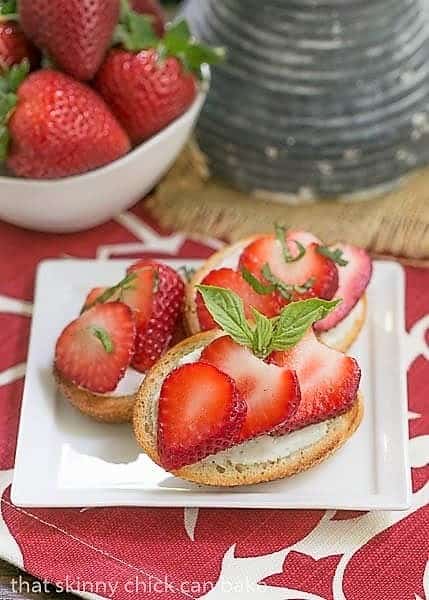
x=129 y=553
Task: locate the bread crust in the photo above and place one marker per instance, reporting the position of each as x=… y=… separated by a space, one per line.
x=353 y=332
x=106 y=409
x=207 y=473
x=191 y=317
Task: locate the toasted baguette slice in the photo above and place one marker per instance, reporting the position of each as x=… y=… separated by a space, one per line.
x=340 y=338
x=206 y=472
x=107 y=409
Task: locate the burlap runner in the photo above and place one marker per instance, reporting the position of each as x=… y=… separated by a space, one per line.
x=394 y=224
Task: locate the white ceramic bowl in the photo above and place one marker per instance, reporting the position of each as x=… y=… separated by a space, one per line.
x=83 y=201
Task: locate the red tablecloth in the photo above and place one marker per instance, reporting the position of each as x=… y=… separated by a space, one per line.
x=143 y=553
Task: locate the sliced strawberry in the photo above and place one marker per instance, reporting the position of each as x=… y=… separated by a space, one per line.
x=315 y=272
x=353 y=281
x=271 y=393
x=268 y=304
x=200 y=412
x=329 y=380
x=136 y=292
x=158 y=313
x=95 y=350
x=93 y=296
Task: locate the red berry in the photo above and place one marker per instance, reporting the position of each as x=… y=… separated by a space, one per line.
x=200 y=412
x=159 y=314
x=14 y=47
x=271 y=393
x=329 y=381
x=95 y=350
x=75 y=33
x=61 y=127
x=232 y=280
x=144 y=92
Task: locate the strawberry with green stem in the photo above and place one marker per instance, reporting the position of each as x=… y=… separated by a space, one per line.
x=147 y=81
x=14 y=46
x=53 y=126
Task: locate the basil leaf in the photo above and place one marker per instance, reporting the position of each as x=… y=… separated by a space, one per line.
x=296 y=318
x=336 y=255
x=287 y=290
x=258 y=286
x=227 y=310
x=287 y=255
x=102 y=335
x=262 y=334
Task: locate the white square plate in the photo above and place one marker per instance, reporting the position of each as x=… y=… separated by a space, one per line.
x=66 y=459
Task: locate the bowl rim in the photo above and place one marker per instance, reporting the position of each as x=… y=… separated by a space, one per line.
x=144 y=146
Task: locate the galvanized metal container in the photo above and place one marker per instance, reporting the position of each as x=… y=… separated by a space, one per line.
x=318 y=98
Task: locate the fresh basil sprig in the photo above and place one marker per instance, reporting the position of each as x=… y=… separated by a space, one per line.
x=264 y=335
x=335 y=254
x=286 y=290
x=287 y=255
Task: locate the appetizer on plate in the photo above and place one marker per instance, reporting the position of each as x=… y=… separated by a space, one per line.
x=253 y=401
x=121 y=332
x=270 y=271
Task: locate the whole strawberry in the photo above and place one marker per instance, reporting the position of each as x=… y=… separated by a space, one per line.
x=154 y=10
x=14 y=46
x=148 y=82
x=75 y=33
x=156 y=326
x=52 y=126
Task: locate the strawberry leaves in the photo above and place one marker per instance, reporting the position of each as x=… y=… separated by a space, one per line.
x=227 y=310
x=135 y=32
x=8 y=10
x=9 y=84
x=266 y=335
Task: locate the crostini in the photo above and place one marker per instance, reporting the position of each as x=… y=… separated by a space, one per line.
x=268 y=271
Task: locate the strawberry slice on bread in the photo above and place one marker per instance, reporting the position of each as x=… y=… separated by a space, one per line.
x=271 y=393
x=278 y=259
x=354 y=278
x=200 y=412
x=183 y=409
x=329 y=380
x=94 y=350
